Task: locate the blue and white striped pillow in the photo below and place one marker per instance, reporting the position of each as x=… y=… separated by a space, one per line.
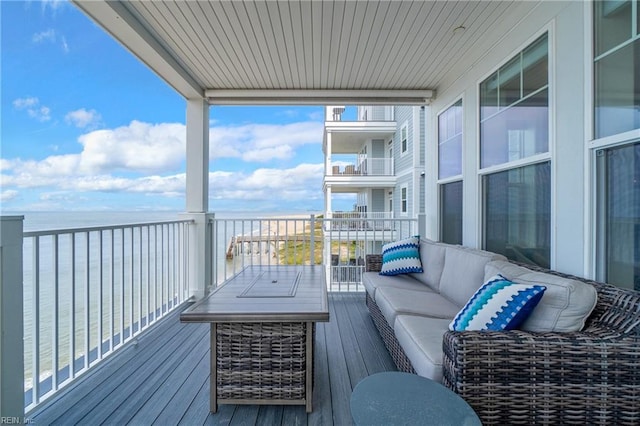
x=401 y=257
x=498 y=305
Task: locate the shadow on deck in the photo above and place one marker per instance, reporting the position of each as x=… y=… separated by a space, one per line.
x=163 y=377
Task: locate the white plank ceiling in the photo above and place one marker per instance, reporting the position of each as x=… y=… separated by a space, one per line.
x=335 y=46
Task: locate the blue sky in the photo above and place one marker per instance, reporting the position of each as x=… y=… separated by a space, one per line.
x=86 y=126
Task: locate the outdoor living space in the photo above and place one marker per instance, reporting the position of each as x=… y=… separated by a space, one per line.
x=162 y=377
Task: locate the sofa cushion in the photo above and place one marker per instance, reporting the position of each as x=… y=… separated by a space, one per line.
x=372 y=281
x=432 y=258
x=393 y=302
x=421 y=341
x=565 y=306
x=498 y=305
x=401 y=257
x=566 y=303
x=463 y=272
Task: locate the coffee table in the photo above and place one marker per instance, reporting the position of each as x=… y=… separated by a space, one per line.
x=395 y=398
x=262 y=334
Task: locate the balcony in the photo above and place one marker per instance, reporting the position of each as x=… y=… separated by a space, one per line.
x=95 y=299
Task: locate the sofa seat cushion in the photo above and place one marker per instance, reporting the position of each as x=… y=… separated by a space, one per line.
x=421 y=341
x=463 y=272
x=372 y=281
x=393 y=302
x=566 y=303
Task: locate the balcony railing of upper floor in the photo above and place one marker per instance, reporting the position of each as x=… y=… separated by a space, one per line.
x=359 y=113
x=364 y=166
x=89 y=291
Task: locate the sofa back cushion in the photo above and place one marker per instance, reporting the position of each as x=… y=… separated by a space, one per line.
x=432 y=257
x=566 y=303
x=463 y=272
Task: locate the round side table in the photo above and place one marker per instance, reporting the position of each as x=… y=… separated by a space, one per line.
x=395 y=398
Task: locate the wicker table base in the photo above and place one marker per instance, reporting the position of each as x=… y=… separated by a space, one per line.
x=262 y=363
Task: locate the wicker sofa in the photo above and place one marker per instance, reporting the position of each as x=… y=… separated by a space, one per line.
x=590 y=376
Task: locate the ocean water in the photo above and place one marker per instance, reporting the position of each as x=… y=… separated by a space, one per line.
x=80 y=284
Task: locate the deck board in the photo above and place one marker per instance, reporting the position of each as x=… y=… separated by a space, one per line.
x=164 y=379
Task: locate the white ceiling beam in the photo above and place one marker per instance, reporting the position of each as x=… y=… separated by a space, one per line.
x=115 y=18
x=319 y=97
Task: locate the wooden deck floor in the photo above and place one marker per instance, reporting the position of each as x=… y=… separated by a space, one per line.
x=163 y=379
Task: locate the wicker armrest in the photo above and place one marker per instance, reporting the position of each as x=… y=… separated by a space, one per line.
x=515 y=376
x=373 y=263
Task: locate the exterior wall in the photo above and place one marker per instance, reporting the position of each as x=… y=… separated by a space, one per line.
x=569 y=62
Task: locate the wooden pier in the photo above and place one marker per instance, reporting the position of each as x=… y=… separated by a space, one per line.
x=236 y=243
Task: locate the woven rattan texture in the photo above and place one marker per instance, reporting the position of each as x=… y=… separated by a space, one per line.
x=389 y=339
x=261 y=361
x=518 y=377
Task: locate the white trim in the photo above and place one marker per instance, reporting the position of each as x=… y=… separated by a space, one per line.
x=589 y=177
x=318 y=97
x=403 y=212
x=613 y=140
x=552 y=90
x=405 y=127
x=534 y=159
x=549 y=29
x=457 y=99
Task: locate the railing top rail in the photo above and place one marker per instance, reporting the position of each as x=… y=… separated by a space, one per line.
x=47 y=232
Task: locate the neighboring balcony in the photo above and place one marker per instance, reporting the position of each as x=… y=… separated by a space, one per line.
x=348 y=176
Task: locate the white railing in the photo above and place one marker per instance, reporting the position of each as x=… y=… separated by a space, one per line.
x=88 y=291
x=361 y=220
x=340 y=244
x=362 y=113
x=364 y=167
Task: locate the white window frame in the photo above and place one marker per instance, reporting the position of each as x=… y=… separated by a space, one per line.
x=404 y=202
x=404 y=143
x=593 y=246
x=531 y=160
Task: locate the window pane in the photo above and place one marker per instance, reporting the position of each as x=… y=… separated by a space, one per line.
x=617 y=92
x=622 y=200
x=451 y=213
x=489 y=97
x=612 y=24
x=535 y=74
x=517 y=132
x=450 y=141
x=517 y=208
x=509 y=77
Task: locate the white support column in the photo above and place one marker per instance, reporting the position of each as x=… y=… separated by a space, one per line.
x=197 y=197
x=328 y=170
x=11 y=322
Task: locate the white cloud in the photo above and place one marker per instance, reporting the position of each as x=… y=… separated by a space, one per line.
x=152 y=156
x=263 y=142
x=33 y=108
x=9 y=194
x=82 y=118
x=49 y=35
x=139 y=147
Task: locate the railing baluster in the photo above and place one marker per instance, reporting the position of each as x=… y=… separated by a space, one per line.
x=132 y=283
x=122 y=289
x=35 y=369
x=56 y=313
x=112 y=315
x=101 y=294
x=72 y=316
x=140 y=278
x=87 y=303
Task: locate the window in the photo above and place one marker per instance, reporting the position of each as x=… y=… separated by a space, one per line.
x=517 y=213
x=619 y=225
x=514 y=125
x=514 y=108
x=450 y=141
x=451 y=213
x=403 y=139
x=616 y=67
x=403 y=200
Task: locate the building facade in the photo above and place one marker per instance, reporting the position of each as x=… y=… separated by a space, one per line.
x=534 y=152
